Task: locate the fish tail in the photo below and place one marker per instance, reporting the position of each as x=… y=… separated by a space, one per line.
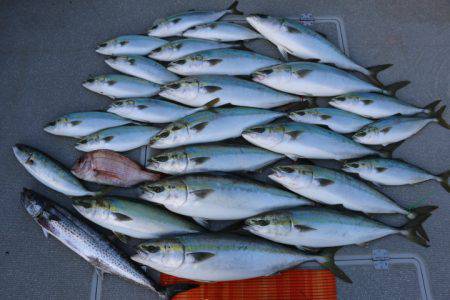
x=387 y=151
x=414 y=231
x=420 y=211
x=374 y=71
x=327 y=261
x=233 y=8
x=430 y=108
x=104 y=191
x=171 y=290
x=393 y=88
x=439 y=118
x=443 y=178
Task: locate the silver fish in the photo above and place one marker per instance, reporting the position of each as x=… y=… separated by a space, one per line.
x=133 y=218
x=221 y=62
x=141 y=67
x=297 y=140
x=315 y=80
x=222 y=32
x=218 y=197
x=377 y=106
x=335 y=188
x=337 y=120
x=211 y=126
x=177 y=49
x=151 y=110
x=199 y=90
x=395 y=129
x=393 y=172
x=130 y=45
x=210 y=158
x=50 y=172
x=120 y=139
x=121 y=86
x=176 y=24
x=318 y=227
x=90 y=245
x=84 y=123
x=290 y=36
x=222 y=257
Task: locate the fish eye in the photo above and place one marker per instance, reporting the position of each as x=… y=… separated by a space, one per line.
x=176 y=127
x=173 y=86
x=361 y=133
x=287 y=169
x=261 y=16
x=258 y=130
x=164 y=134
x=52 y=123
x=180 y=62
x=83 y=141
x=339 y=98
x=353 y=165
x=102 y=45
x=157 y=189
x=90 y=80
x=163 y=158
x=301 y=113
x=157 y=50
x=151 y=249
x=261 y=222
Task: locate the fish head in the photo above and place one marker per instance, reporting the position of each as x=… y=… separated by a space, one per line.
x=93 y=208
x=198 y=30
x=191 y=64
x=89 y=143
x=184 y=89
x=172 y=192
x=34 y=203
x=173 y=134
x=264 y=24
x=270 y=224
x=112 y=46
x=121 y=106
x=366 y=134
x=120 y=61
x=164 y=27
x=24 y=154
x=296 y=176
x=83 y=167
x=165 y=253
x=98 y=84
x=170 y=162
x=60 y=125
x=166 y=52
x=271 y=76
x=266 y=136
x=305 y=115
x=357 y=166
x=347 y=102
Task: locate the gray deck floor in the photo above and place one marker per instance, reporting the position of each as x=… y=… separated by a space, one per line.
x=47 y=51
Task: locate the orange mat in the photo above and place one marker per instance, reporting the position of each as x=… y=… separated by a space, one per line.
x=292 y=284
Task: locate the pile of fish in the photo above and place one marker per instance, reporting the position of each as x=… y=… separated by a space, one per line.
x=220 y=113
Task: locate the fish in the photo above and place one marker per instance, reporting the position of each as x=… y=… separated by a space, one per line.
x=80 y=124
x=121 y=86
x=211 y=126
x=222 y=257
x=177 y=49
x=337 y=120
x=153 y=110
x=110 y=168
x=319 y=227
x=141 y=67
x=120 y=139
x=50 y=172
x=199 y=90
x=130 y=45
x=221 y=62
x=218 y=197
x=386 y=171
x=317 y=80
x=290 y=36
x=133 y=218
x=331 y=187
x=222 y=32
x=212 y=158
x=175 y=25
x=300 y=140
x=378 y=106
x=89 y=244
x=396 y=129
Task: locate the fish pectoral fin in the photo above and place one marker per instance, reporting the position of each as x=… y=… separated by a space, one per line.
x=199 y=160
x=45 y=232
x=121 y=217
x=195 y=257
x=200 y=126
x=202 y=193
x=202 y=222
x=122 y=237
x=324 y=181
x=106 y=174
x=303 y=228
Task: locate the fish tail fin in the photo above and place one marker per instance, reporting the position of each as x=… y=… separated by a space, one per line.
x=430 y=108
x=327 y=260
x=443 y=177
x=387 y=151
x=104 y=191
x=233 y=8
x=375 y=70
x=420 y=211
x=439 y=118
x=393 y=88
x=169 y=291
x=414 y=231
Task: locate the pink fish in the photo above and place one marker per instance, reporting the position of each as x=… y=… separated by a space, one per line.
x=110 y=168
